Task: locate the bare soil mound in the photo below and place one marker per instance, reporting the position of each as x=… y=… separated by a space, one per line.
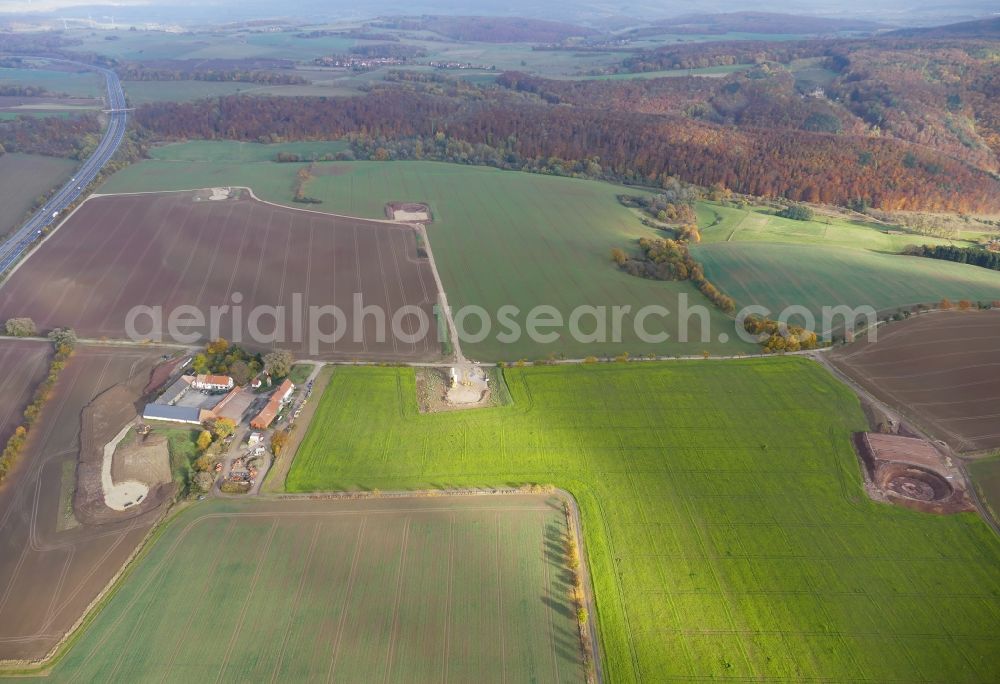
x=146 y=459
x=101 y=421
x=434 y=386
x=159 y=376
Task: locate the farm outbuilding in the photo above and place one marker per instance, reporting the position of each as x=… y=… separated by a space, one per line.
x=234 y=404
x=267 y=415
x=173 y=414
x=176 y=390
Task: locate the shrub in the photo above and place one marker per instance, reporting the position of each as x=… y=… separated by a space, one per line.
x=279 y=440
x=63 y=338
x=797 y=212
x=204 y=463
x=20 y=327
x=278 y=364
x=204 y=440
x=229 y=487
x=203 y=481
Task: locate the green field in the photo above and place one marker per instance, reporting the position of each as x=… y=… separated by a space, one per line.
x=716 y=71
x=235 y=44
x=391 y=590
x=727 y=529
x=61 y=113
x=85 y=83
x=23 y=179
x=152 y=45
x=759 y=224
x=985 y=474
x=321 y=85
x=776 y=276
x=759 y=258
x=228 y=152
x=142 y=92
x=499 y=238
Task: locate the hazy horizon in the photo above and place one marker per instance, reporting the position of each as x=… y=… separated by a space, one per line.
x=592 y=12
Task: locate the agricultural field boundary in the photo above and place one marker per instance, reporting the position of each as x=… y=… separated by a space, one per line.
x=254 y=197
x=419 y=227
x=565 y=496
x=44 y=666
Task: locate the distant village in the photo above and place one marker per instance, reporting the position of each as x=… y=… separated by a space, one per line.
x=367 y=63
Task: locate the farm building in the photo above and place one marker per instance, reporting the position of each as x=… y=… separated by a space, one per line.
x=177 y=389
x=234 y=404
x=284 y=391
x=176 y=414
x=213 y=383
x=267 y=415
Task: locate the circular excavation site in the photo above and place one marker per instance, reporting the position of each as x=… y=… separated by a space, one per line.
x=914 y=483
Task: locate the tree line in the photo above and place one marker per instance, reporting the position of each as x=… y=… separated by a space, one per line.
x=136 y=72
x=974 y=256
x=629 y=147
x=63 y=341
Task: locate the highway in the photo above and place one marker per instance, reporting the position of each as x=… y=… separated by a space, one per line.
x=19 y=242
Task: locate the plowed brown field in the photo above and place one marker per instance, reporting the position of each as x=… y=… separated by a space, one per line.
x=180 y=249
x=51 y=566
x=940 y=369
x=23 y=364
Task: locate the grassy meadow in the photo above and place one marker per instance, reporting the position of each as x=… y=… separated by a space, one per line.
x=775 y=276
x=760 y=224
x=144 y=92
x=84 y=83
x=727 y=529
x=414 y=590
x=288 y=45
x=712 y=71
x=759 y=258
